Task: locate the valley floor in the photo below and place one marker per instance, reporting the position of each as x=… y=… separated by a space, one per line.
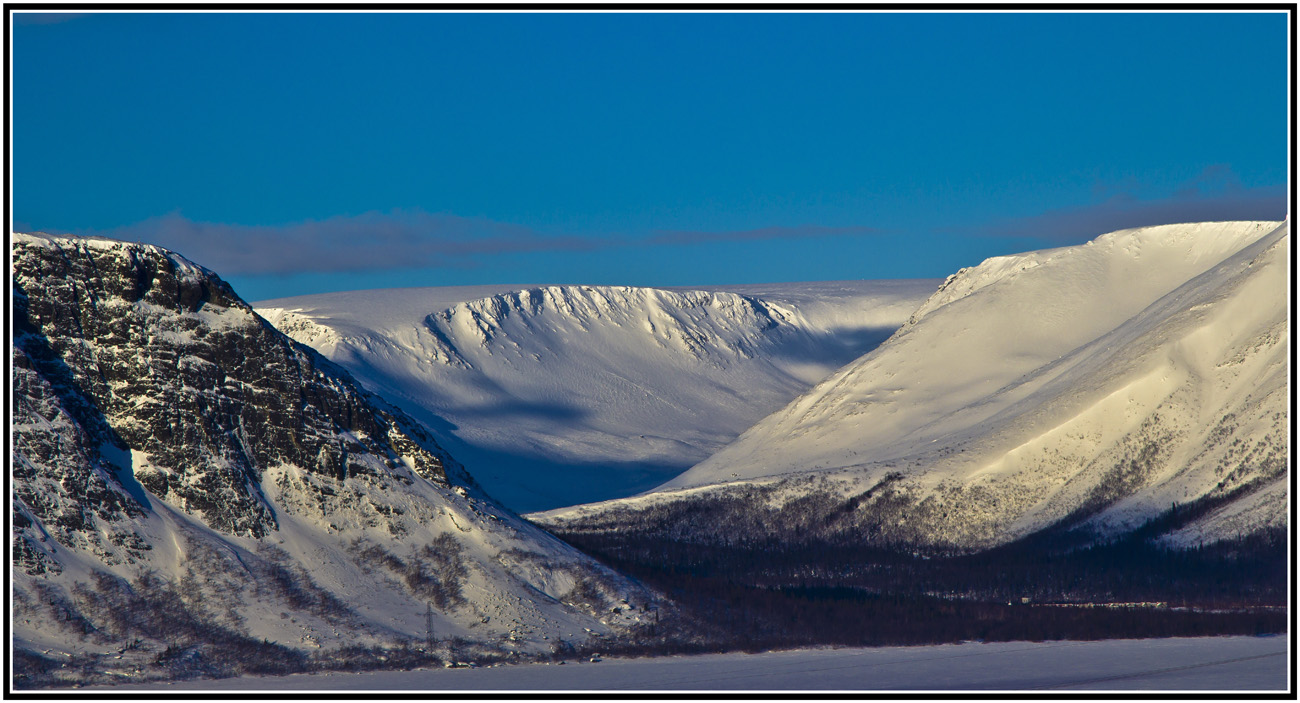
x=1176 y=664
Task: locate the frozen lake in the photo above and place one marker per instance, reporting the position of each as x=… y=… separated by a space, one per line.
x=1191 y=664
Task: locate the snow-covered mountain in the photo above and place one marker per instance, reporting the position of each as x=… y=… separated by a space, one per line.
x=1098 y=384
x=566 y=394
x=195 y=492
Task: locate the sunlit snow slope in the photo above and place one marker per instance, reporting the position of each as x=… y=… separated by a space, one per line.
x=1103 y=382
x=564 y=394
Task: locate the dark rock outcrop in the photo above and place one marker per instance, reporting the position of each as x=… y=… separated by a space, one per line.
x=156 y=361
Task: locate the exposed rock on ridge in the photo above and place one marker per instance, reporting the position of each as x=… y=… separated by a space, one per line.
x=160 y=358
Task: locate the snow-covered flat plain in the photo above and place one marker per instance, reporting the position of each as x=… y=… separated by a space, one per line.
x=1188 y=664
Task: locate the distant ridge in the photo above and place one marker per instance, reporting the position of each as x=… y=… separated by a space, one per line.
x=571 y=393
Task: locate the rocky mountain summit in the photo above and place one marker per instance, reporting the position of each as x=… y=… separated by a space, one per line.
x=157 y=357
x=172 y=450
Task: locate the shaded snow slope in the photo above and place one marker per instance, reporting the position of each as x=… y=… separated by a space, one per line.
x=188 y=478
x=565 y=394
x=1104 y=382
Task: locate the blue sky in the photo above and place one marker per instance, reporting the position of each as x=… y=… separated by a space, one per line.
x=297 y=153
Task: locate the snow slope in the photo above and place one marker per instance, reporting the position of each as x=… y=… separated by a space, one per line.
x=1110 y=380
x=189 y=478
x=564 y=394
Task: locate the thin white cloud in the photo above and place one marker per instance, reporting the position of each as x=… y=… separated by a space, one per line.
x=395 y=240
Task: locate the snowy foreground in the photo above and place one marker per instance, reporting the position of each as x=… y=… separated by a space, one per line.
x=1192 y=664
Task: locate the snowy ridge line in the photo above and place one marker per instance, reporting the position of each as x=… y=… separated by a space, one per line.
x=1206 y=241
x=106 y=244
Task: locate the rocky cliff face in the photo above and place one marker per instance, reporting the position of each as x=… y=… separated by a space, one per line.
x=192 y=482
x=157 y=356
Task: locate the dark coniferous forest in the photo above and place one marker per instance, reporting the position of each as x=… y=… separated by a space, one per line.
x=1061 y=583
